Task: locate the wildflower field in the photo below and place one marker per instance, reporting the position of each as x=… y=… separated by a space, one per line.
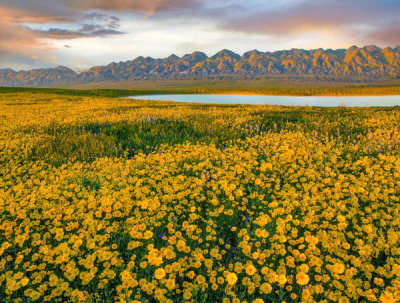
x=116 y=200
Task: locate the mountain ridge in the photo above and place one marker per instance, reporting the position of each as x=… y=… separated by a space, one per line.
x=368 y=61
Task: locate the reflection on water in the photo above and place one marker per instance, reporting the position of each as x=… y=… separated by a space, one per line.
x=279 y=100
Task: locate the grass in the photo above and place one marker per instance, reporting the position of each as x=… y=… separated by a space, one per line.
x=327 y=89
x=90 y=140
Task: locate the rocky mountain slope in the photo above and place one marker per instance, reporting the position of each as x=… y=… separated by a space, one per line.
x=369 y=61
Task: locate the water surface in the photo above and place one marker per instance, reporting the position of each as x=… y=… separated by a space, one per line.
x=348 y=101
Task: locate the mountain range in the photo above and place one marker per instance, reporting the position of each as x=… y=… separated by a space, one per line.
x=368 y=62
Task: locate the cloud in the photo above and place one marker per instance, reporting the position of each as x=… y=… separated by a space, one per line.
x=19 y=44
x=340 y=17
x=33 y=28
x=69 y=8
x=387 y=34
x=14 y=14
x=101 y=25
x=57 y=33
x=148 y=6
x=37 y=11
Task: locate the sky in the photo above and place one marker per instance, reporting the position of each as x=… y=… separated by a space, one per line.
x=84 y=33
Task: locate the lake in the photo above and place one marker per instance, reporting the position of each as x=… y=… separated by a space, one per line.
x=348 y=101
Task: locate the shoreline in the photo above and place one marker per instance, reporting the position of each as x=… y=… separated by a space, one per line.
x=385 y=91
x=254 y=99
x=275 y=95
x=261 y=94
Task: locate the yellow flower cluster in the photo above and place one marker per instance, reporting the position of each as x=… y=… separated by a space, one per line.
x=284 y=212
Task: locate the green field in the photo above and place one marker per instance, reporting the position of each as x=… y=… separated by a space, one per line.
x=277 y=87
x=105 y=199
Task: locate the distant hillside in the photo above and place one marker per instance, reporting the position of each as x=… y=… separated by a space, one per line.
x=36 y=77
x=369 y=62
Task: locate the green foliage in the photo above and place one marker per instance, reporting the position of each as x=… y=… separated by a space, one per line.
x=87 y=141
x=282 y=89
